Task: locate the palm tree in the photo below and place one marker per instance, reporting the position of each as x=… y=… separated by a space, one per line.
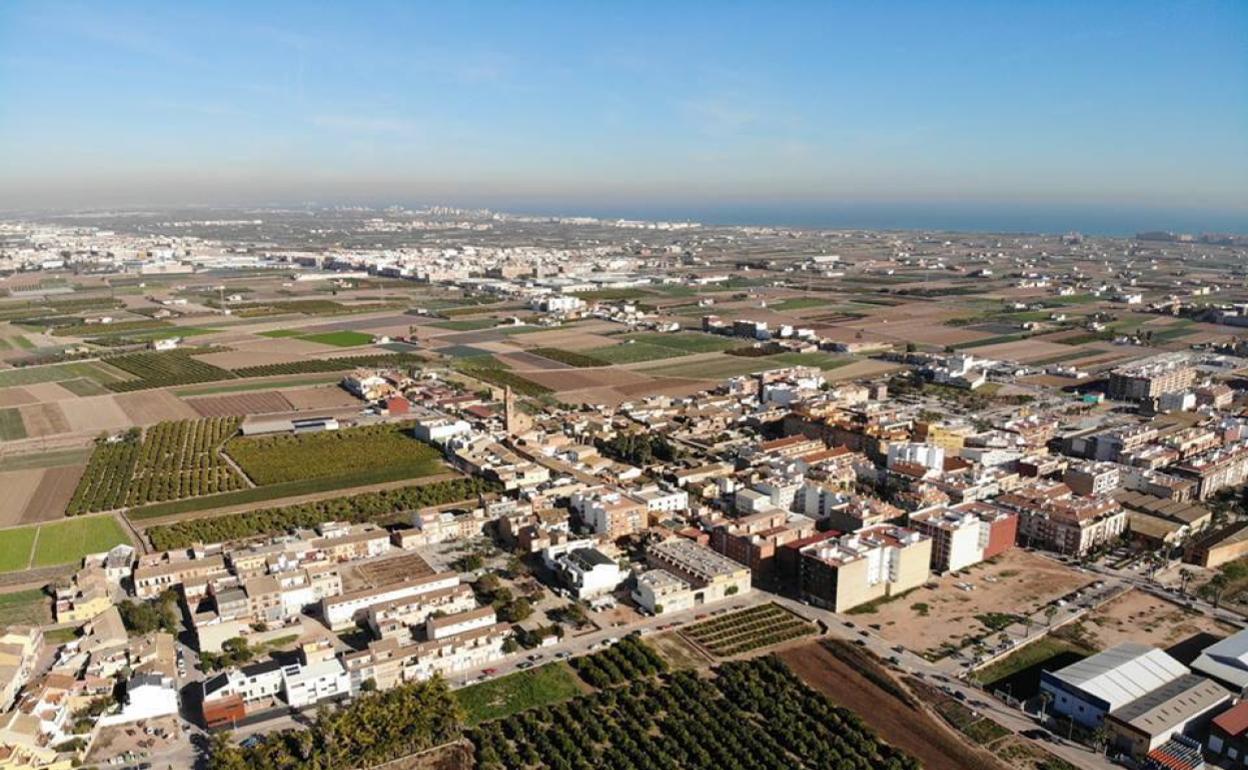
x=1046 y=698
x=1185 y=577
x=1215 y=587
x=1049 y=613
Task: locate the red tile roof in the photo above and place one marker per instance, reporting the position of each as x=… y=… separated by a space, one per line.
x=1234 y=720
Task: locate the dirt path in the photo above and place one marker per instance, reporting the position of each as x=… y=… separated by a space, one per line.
x=910 y=728
x=142 y=524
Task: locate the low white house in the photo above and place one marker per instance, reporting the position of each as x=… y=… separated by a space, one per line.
x=148 y=696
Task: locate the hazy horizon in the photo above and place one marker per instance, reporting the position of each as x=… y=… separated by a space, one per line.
x=1117 y=115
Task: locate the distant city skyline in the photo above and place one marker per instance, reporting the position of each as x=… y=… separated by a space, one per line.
x=1113 y=116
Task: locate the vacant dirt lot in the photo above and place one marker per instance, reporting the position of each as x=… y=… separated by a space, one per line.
x=52 y=495
x=95 y=414
x=19 y=487
x=927 y=617
x=43 y=420
x=325 y=397
x=901 y=724
x=240 y=405
x=149 y=407
x=1147 y=619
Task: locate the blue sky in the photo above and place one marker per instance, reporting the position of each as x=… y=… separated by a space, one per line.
x=544 y=104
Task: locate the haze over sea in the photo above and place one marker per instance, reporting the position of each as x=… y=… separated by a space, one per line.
x=956 y=217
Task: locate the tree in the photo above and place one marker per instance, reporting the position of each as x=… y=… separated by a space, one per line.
x=1185 y=577
x=1050 y=612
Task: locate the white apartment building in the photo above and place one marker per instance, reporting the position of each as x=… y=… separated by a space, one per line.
x=344 y=610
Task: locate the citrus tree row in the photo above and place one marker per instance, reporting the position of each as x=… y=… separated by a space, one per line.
x=754 y=715
x=366 y=506
x=169 y=461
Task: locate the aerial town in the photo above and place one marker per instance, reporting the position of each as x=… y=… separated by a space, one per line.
x=442 y=488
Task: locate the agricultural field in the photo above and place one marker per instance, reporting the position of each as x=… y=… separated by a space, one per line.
x=32 y=375
x=315 y=365
x=169 y=461
x=571 y=358
x=25 y=608
x=15 y=545
x=160 y=370
x=625 y=661
x=375 y=449
x=854 y=679
x=633 y=352
x=11 y=425
x=64 y=542
x=747 y=630
x=490 y=370
x=517 y=692
x=713 y=368
x=339 y=339
x=753 y=714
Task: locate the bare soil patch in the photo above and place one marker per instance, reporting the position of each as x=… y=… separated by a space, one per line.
x=906 y=726
x=19 y=487
x=1018 y=582
x=326 y=397
x=16 y=397
x=152 y=406
x=43 y=420
x=52 y=495
x=1139 y=617
x=576 y=379
x=49 y=391
x=520 y=360
x=1021 y=350
x=237 y=359
x=240 y=405
x=95 y=413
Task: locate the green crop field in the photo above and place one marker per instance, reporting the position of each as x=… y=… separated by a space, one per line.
x=11 y=425
x=330 y=454
x=66 y=542
x=713 y=368
x=340 y=339
x=633 y=352
x=84 y=387
x=468 y=324
x=517 y=692
x=824 y=361
x=799 y=303
x=15 y=547
x=281 y=333
x=58 y=373
x=688 y=342
x=569 y=357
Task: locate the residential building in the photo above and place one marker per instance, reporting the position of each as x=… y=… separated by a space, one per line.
x=872 y=563
x=966 y=534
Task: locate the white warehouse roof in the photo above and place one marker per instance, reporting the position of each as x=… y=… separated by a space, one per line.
x=1227 y=660
x=1121 y=674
